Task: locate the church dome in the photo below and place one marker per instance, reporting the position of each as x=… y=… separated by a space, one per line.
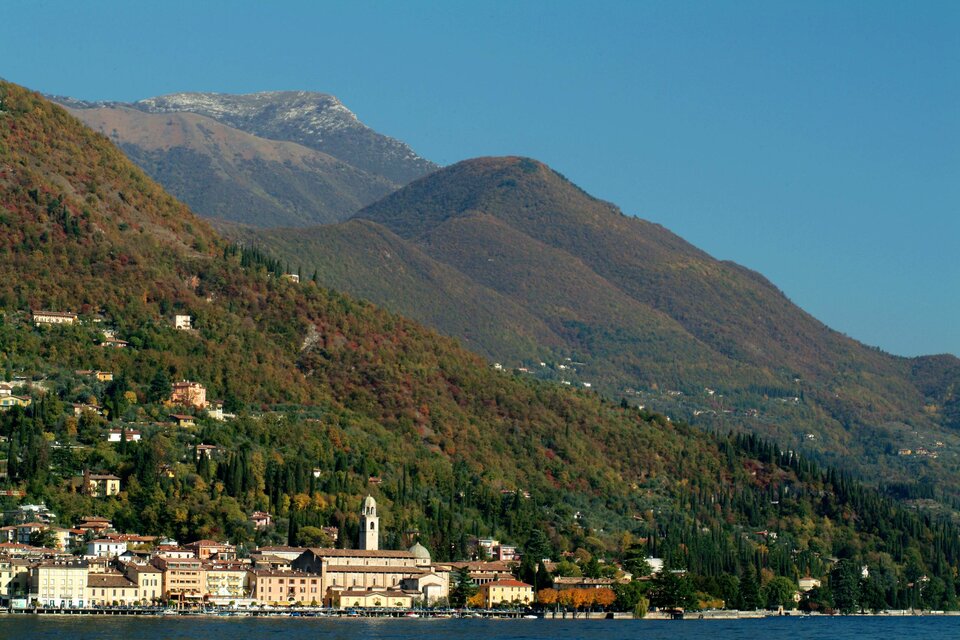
x=369 y=503
x=420 y=552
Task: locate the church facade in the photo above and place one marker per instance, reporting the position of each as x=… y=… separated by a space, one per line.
x=372 y=569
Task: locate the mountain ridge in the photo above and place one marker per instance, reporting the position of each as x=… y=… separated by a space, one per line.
x=517 y=227
x=351 y=165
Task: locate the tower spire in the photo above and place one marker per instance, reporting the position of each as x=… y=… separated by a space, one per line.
x=369 y=525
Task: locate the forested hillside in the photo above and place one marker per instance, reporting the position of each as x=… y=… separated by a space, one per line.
x=644 y=314
x=334 y=398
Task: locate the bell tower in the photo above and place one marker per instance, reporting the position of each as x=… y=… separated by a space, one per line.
x=369 y=525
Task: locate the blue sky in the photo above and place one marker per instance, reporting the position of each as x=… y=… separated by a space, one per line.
x=816 y=142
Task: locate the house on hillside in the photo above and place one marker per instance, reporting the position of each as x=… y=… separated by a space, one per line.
x=106 y=547
x=206 y=451
x=183 y=420
x=215 y=410
x=261 y=519
x=101 y=376
x=6 y=402
x=96 y=524
x=189 y=394
x=53 y=317
x=808 y=583
x=78 y=409
x=182 y=322
x=115 y=435
x=114 y=343
x=96 y=484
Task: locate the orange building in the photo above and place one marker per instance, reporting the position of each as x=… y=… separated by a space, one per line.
x=189 y=394
x=286 y=587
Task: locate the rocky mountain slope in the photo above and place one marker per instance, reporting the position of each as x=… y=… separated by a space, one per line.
x=276 y=158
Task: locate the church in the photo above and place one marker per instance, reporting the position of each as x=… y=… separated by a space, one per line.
x=363 y=575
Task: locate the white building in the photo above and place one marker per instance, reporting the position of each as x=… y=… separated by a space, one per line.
x=53 y=317
x=369 y=525
x=182 y=322
x=106 y=548
x=59 y=583
x=116 y=434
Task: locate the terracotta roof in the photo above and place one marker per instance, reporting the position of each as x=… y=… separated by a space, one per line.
x=267 y=558
x=506 y=583
x=73 y=563
x=482 y=565
x=359 y=553
x=207 y=543
x=142 y=568
x=109 y=581
x=346 y=568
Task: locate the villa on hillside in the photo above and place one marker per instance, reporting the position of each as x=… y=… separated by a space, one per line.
x=183 y=420
x=116 y=435
x=53 y=317
x=7 y=402
x=96 y=484
x=189 y=394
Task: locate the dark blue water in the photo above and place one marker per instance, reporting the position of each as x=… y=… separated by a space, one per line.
x=841 y=628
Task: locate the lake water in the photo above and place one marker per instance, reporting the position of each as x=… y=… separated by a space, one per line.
x=22 y=627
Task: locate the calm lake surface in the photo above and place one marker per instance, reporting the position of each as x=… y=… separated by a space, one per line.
x=22 y=627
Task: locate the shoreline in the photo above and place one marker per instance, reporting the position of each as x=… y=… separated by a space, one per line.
x=155 y=612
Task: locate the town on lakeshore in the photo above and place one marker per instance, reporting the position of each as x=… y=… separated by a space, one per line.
x=131 y=574
x=113 y=569
x=96 y=449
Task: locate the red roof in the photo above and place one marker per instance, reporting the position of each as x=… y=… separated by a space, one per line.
x=507 y=583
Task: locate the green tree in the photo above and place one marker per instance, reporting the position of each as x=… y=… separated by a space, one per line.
x=44 y=538
x=463 y=588
x=845 y=585
x=872 y=596
x=628 y=595
x=160 y=387
x=748 y=593
x=672 y=591
x=779 y=593
x=313 y=537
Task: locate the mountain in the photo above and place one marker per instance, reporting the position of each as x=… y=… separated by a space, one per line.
x=226 y=173
x=269 y=159
x=335 y=398
x=645 y=314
